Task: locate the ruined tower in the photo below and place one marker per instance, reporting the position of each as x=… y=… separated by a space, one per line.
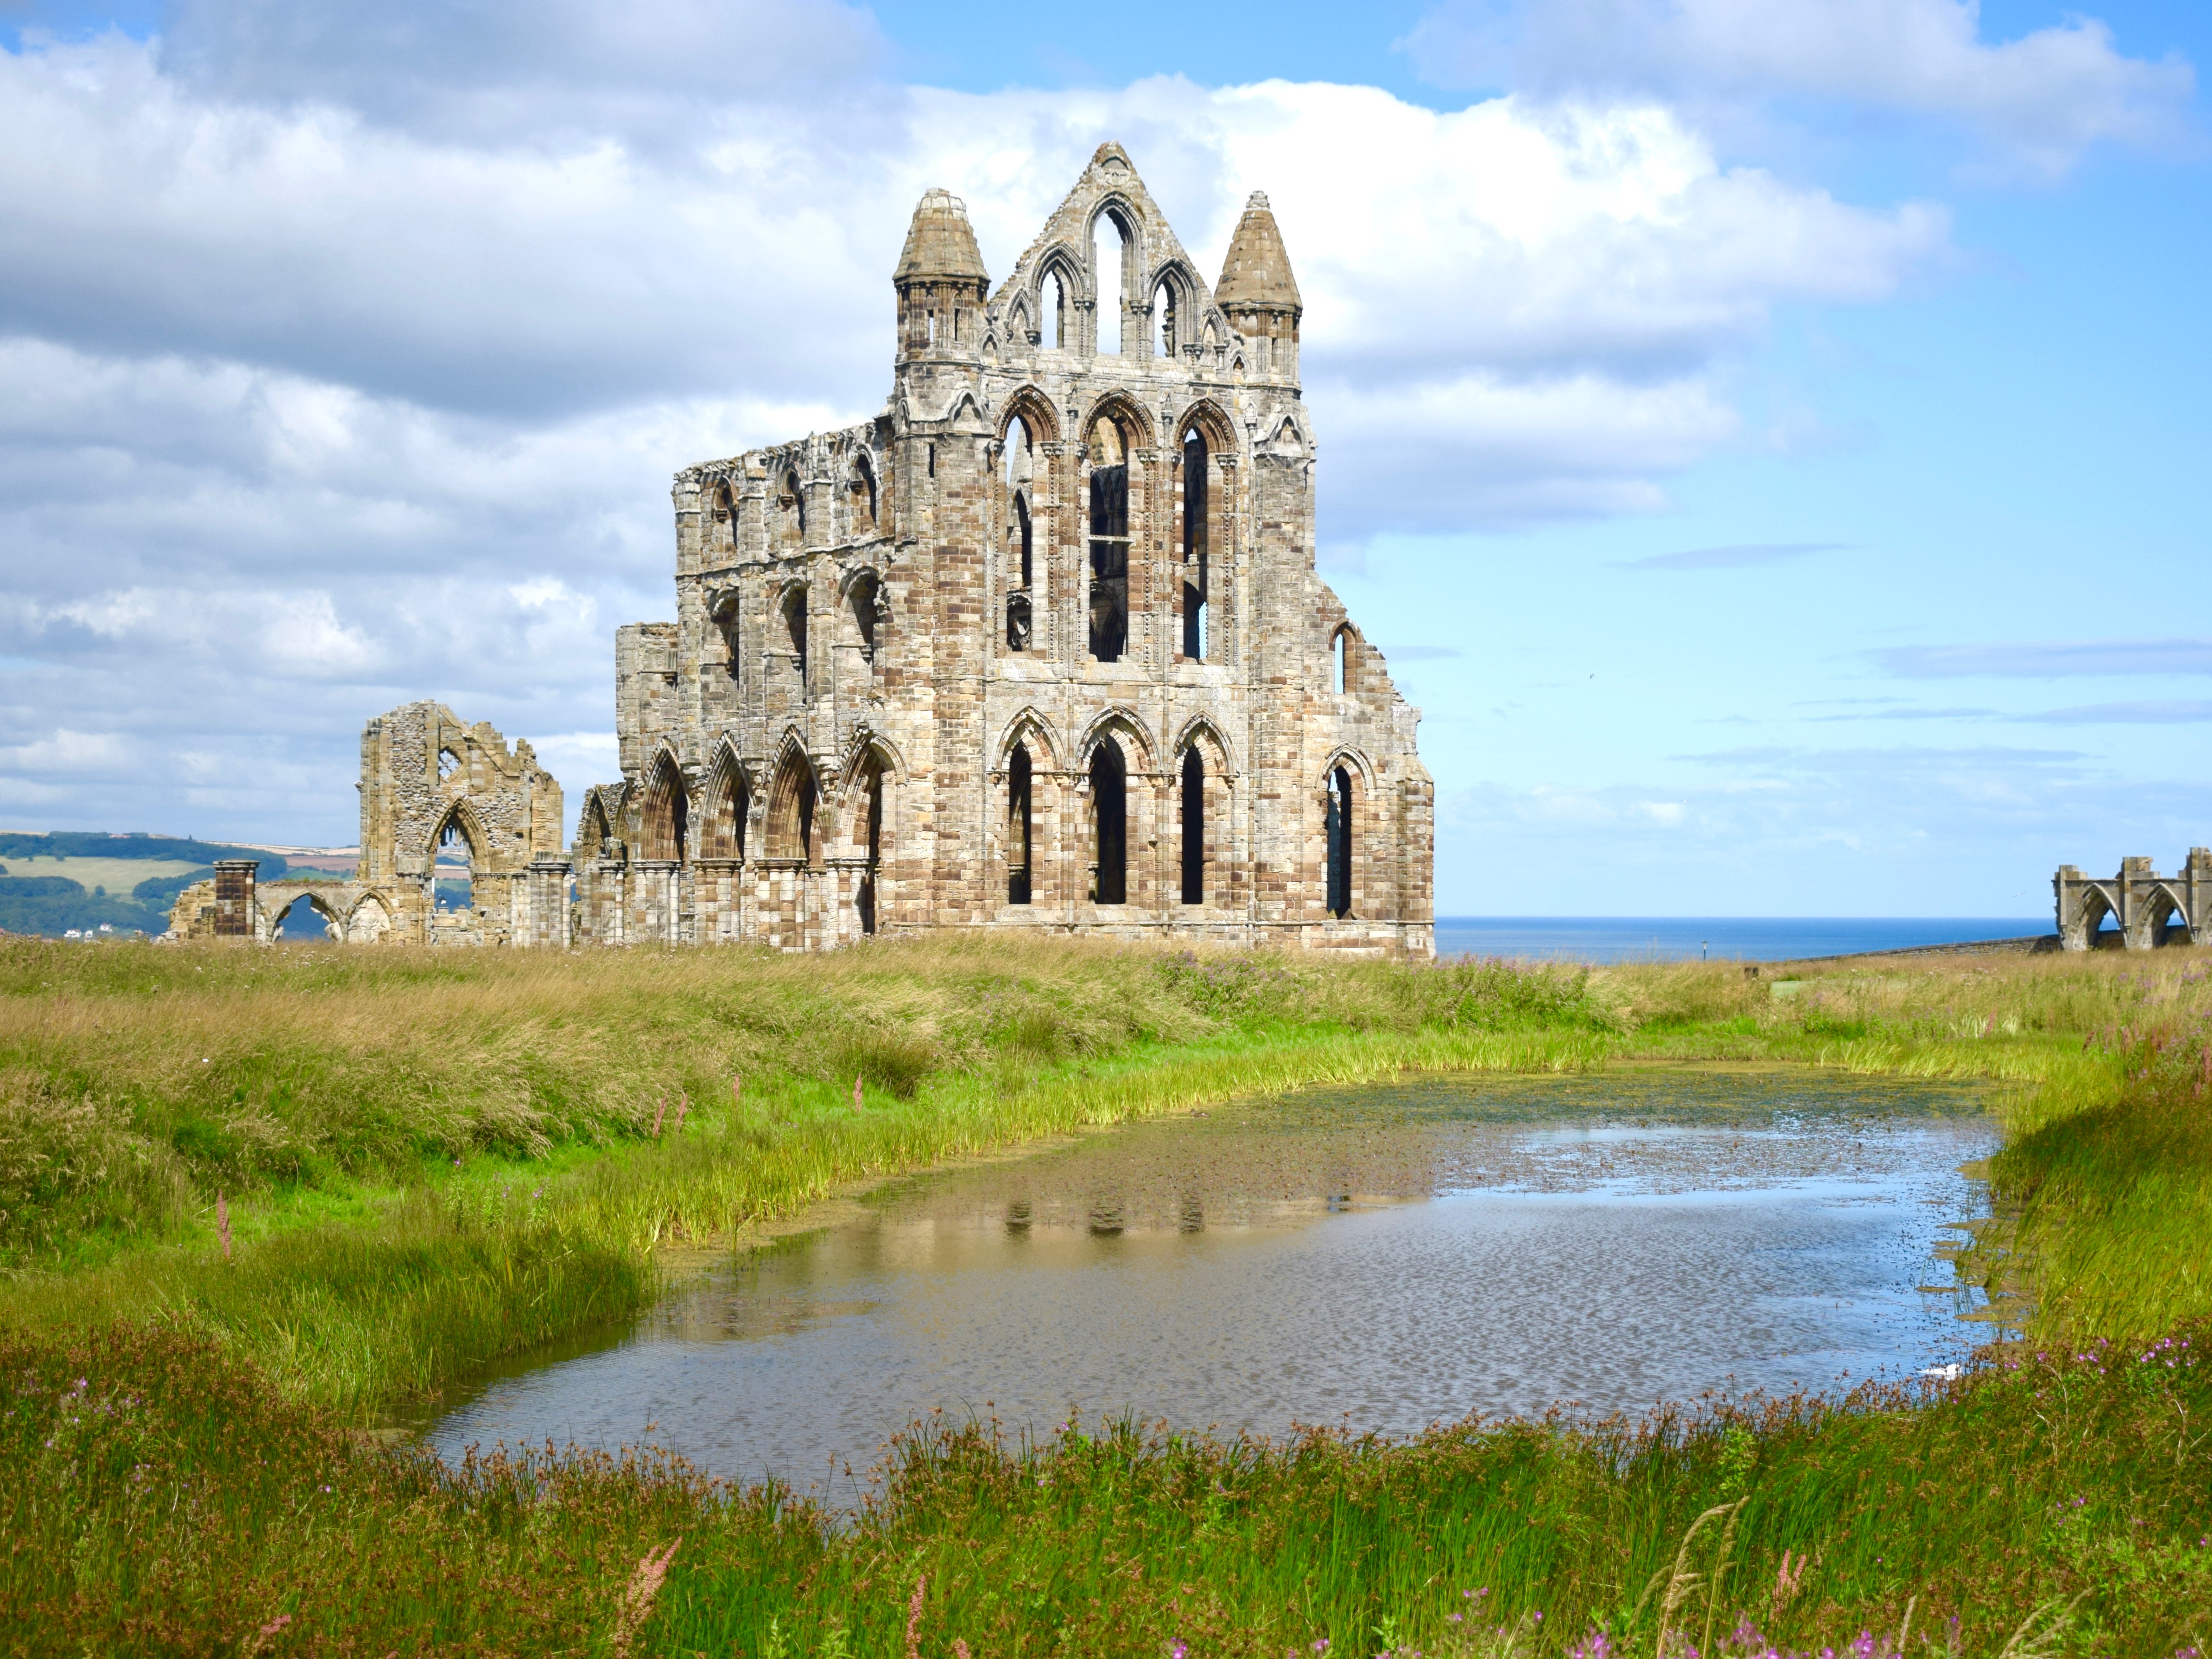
x=1040 y=645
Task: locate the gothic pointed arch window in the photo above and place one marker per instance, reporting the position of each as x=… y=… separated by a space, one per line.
x=1110 y=824
x=1164 y=335
x=1110 y=240
x=1021 y=842
x=1341 y=662
x=790 y=827
x=795 y=510
x=865 y=598
x=1340 y=819
x=794 y=629
x=1109 y=540
x=722 y=535
x=869 y=834
x=1194 y=826
x=1196 y=579
x=864 y=496
x=729 y=806
x=1052 y=312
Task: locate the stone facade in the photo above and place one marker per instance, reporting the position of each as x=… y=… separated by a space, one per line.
x=428 y=783
x=1041 y=646
x=2147 y=908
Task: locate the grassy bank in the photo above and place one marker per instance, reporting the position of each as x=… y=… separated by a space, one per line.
x=246 y=1196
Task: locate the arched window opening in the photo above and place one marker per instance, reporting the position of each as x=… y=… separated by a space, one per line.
x=1108 y=260
x=863 y=496
x=1339 y=843
x=1196 y=583
x=1193 y=827
x=448 y=763
x=1020 y=474
x=454 y=867
x=725 y=624
x=871 y=839
x=1019 y=621
x=724 y=533
x=1026 y=534
x=1340 y=668
x=304 y=918
x=867 y=595
x=794 y=625
x=1052 y=312
x=1163 y=320
x=1110 y=824
x=795 y=497
x=1110 y=541
x=1020 y=828
x=2168 y=923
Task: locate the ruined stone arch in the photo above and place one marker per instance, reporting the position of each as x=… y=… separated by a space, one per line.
x=2161 y=903
x=1035 y=411
x=1184 y=292
x=726 y=801
x=1115 y=207
x=1058 y=264
x=1125 y=723
x=794 y=804
x=1212 y=424
x=1343 y=675
x=334 y=925
x=461 y=816
x=664 y=811
x=722 y=525
x=595 y=828
x=1125 y=412
x=1030 y=727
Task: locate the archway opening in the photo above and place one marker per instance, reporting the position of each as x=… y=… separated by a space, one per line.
x=869 y=837
x=1340 y=663
x=1052 y=306
x=866 y=596
x=1110 y=821
x=1109 y=540
x=1020 y=827
x=1339 y=811
x=1195 y=582
x=2102 y=925
x=1193 y=827
x=795 y=497
x=1110 y=244
x=2169 y=926
x=305 y=918
x=1163 y=320
x=454 y=867
x=864 y=496
x=794 y=627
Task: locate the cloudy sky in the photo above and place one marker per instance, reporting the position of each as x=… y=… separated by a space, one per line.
x=1769 y=436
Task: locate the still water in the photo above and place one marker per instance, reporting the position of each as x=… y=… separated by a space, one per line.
x=1385 y=1257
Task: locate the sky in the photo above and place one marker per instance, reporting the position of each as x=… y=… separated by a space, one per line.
x=1768 y=437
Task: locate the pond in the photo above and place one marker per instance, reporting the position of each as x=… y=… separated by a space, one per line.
x=1385 y=1257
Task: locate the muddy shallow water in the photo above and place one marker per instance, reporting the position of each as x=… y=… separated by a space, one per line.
x=1388 y=1257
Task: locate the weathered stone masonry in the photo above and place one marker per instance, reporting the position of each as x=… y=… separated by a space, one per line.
x=1041 y=646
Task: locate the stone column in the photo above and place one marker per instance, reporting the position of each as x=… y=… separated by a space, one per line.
x=545 y=922
x=234 y=898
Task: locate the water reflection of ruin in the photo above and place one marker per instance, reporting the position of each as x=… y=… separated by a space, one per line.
x=2148 y=909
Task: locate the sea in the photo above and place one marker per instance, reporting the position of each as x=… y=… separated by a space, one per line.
x=1718 y=939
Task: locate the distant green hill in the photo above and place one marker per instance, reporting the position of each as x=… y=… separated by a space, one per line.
x=84 y=879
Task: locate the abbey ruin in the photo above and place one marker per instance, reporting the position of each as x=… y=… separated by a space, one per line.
x=1041 y=646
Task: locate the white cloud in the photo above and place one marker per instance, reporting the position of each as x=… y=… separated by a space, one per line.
x=2041 y=100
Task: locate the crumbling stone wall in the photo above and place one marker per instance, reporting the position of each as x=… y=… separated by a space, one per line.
x=2148 y=909
x=1041 y=646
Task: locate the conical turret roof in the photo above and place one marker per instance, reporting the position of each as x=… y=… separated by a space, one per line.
x=939 y=243
x=1256 y=275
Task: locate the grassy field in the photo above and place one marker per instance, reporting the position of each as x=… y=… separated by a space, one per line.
x=249 y=1196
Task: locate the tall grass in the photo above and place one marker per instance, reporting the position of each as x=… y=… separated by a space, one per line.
x=164 y=1498
x=434 y=1159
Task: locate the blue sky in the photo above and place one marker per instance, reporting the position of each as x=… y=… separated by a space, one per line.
x=1767 y=438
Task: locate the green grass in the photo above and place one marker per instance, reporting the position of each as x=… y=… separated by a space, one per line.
x=430 y=1161
x=165 y=1499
